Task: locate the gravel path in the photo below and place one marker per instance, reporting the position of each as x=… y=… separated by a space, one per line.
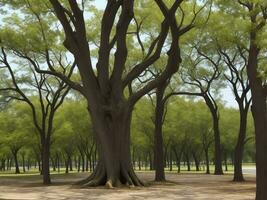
x=184 y=186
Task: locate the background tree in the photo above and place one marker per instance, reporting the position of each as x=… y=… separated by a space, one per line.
x=49 y=92
x=253 y=16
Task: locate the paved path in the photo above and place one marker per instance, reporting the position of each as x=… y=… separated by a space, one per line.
x=249 y=170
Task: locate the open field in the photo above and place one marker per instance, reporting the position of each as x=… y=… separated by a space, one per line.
x=179 y=186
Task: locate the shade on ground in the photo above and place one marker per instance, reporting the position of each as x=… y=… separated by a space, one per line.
x=185 y=186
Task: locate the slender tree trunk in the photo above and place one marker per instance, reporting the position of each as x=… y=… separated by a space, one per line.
x=239 y=148
x=45 y=162
x=86 y=164
x=139 y=163
x=79 y=164
x=28 y=164
x=133 y=157
x=207 y=161
x=23 y=163
x=39 y=165
x=178 y=158
x=15 y=155
x=187 y=161
x=196 y=161
x=158 y=138
x=90 y=163
x=70 y=163
x=3 y=164
x=146 y=162
x=225 y=161
x=66 y=166
x=83 y=163
x=150 y=161
x=170 y=159
x=58 y=164
x=217 y=139
x=75 y=162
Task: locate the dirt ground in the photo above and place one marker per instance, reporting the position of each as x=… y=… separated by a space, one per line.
x=182 y=186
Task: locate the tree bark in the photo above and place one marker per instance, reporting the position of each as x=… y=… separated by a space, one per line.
x=79 y=164
x=259 y=112
x=196 y=161
x=217 y=138
x=58 y=164
x=15 y=155
x=170 y=159
x=225 y=161
x=66 y=166
x=112 y=131
x=109 y=110
x=158 y=138
x=178 y=158
x=23 y=162
x=46 y=162
x=239 y=148
x=207 y=161
x=70 y=163
x=187 y=159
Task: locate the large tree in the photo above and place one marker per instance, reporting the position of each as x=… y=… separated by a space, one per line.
x=109 y=105
x=110 y=87
x=252 y=30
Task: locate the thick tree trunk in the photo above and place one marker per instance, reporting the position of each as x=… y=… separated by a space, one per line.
x=239 y=148
x=260 y=121
x=114 y=166
x=259 y=112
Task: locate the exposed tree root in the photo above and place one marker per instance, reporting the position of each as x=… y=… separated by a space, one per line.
x=99 y=178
